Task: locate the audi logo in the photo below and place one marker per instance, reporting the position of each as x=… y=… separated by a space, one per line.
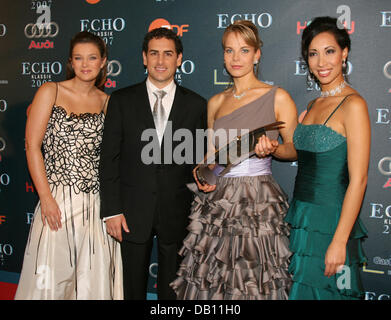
x=114 y=68
x=41 y=30
x=386 y=171
x=3 y=30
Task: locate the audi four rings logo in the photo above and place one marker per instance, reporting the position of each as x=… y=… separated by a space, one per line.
x=41 y=30
x=383 y=168
x=114 y=68
x=3 y=30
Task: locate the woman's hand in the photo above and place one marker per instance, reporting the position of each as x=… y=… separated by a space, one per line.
x=335 y=258
x=50 y=213
x=265 y=146
x=206 y=187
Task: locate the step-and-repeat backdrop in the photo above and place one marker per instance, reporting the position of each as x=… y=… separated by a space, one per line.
x=30 y=56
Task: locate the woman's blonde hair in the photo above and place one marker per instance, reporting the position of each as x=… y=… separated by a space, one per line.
x=248 y=31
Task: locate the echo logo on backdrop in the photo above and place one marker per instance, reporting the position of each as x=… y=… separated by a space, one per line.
x=104 y=27
x=263 y=20
x=6 y=248
x=381 y=213
x=41 y=72
x=105 y=24
x=386 y=19
x=163 y=23
x=92 y=1
x=4 y=179
x=41 y=68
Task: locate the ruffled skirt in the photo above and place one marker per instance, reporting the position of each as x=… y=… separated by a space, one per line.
x=312 y=230
x=237 y=246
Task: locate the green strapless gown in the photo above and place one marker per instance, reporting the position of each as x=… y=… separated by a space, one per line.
x=320 y=187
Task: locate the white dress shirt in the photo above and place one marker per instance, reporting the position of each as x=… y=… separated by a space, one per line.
x=167 y=100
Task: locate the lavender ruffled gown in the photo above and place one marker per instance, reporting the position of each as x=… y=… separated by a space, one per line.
x=237 y=246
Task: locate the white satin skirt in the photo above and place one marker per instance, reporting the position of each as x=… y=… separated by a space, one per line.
x=80 y=261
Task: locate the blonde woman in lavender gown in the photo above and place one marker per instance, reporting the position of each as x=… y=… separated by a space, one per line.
x=237 y=246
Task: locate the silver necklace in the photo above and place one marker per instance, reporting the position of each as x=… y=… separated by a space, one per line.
x=333 y=92
x=240 y=96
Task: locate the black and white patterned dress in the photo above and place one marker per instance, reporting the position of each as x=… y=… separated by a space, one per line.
x=80 y=260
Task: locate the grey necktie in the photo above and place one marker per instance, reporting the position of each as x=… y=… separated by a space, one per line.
x=159 y=114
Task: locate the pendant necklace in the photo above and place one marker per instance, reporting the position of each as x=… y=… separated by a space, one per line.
x=333 y=92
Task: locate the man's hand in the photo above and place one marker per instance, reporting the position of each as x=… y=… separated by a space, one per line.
x=114 y=226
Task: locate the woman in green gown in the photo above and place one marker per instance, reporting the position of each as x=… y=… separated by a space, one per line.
x=333 y=146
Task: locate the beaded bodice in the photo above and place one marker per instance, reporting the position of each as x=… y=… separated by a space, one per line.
x=316 y=138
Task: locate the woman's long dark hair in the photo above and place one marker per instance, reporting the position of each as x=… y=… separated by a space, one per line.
x=324 y=24
x=88 y=37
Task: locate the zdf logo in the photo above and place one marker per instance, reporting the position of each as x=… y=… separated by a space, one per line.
x=163 y=23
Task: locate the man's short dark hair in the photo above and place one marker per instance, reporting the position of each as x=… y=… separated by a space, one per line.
x=163 y=33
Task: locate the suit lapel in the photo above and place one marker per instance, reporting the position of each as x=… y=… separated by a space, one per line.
x=145 y=107
x=175 y=120
x=178 y=109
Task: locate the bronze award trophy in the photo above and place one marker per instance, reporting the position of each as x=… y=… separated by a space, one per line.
x=231 y=154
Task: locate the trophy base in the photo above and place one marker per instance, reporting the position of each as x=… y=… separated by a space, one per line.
x=208 y=176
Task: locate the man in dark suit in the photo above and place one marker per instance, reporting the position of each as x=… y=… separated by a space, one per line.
x=142 y=198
